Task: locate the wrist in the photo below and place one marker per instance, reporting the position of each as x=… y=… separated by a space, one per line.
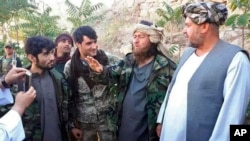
x=4 y=82
x=18 y=109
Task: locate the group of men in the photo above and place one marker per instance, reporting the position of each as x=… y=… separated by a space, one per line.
x=143 y=97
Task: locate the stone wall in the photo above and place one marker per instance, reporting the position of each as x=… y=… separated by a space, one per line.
x=116 y=31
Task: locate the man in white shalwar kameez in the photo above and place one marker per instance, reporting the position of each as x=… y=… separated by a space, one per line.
x=210 y=89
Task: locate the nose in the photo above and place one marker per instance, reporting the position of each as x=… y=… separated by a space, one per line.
x=94 y=46
x=184 y=31
x=52 y=56
x=135 y=40
x=68 y=43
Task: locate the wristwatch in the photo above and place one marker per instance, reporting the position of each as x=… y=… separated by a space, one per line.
x=4 y=82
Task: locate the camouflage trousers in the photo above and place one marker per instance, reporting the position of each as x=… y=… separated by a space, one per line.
x=96 y=132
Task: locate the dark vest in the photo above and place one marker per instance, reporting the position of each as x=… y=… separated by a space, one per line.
x=205 y=90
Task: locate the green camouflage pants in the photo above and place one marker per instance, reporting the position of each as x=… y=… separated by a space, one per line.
x=96 y=132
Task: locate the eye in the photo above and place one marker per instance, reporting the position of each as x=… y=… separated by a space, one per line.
x=142 y=36
x=46 y=53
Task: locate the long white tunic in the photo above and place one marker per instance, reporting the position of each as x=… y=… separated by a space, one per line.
x=236 y=97
x=11 y=127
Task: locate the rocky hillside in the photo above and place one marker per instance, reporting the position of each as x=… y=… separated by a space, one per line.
x=115 y=30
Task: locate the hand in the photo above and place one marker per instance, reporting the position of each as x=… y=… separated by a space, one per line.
x=14 y=75
x=158 y=130
x=94 y=64
x=23 y=100
x=77 y=133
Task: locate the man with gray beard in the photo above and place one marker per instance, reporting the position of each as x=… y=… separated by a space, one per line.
x=210 y=88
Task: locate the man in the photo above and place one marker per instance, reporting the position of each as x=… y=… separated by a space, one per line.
x=64 y=43
x=9 y=59
x=90 y=100
x=47 y=116
x=211 y=85
x=11 y=127
x=142 y=79
x=7 y=62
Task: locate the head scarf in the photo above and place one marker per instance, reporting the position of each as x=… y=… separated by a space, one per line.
x=211 y=12
x=156 y=35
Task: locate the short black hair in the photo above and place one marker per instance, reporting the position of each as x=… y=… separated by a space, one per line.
x=84 y=31
x=64 y=36
x=35 y=45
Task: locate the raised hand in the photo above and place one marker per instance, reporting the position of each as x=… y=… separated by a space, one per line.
x=23 y=100
x=94 y=64
x=14 y=75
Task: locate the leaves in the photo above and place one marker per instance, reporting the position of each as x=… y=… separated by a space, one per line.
x=84 y=14
x=40 y=24
x=238 y=21
x=240 y=4
x=173 y=49
x=10 y=8
x=169 y=14
x=243 y=20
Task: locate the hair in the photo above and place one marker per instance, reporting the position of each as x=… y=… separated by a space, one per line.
x=64 y=35
x=76 y=63
x=77 y=68
x=84 y=31
x=35 y=45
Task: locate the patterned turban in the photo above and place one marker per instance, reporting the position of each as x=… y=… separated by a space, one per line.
x=211 y=12
x=156 y=36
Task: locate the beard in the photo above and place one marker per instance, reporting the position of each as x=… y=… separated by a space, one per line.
x=142 y=55
x=196 y=40
x=43 y=67
x=192 y=44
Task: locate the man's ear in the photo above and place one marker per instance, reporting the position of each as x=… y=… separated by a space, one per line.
x=32 y=58
x=77 y=45
x=205 y=27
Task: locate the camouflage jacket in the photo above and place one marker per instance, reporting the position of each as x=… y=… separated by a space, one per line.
x=6 y=64
x=120 y=77
x=92 y=104
x=31 y=118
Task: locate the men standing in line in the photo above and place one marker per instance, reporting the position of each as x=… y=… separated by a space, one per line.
x=46 y=118
x=142 y=78
x=64 y=43
x=90 y=100
x=210 y=88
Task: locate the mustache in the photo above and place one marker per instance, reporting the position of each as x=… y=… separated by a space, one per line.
x=67 y=46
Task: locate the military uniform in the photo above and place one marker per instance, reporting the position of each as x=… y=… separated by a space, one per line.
x=120 y=77
x=90 y=108
x=32 y=116
x=6 y=64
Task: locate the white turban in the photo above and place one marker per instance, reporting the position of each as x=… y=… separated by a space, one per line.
x=156 y=35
